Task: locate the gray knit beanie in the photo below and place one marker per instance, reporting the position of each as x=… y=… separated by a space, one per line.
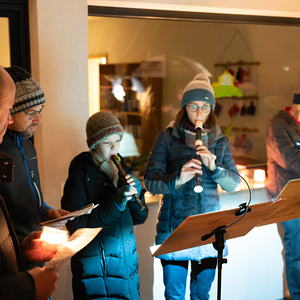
x=101 y=125
x=198 y=90
x=28 y=91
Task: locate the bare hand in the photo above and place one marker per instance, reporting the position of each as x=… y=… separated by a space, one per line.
x=129 y=180
x=45 y=282
x=55 y=213
x=208 y=159
x=189 y=170
x=35 y=250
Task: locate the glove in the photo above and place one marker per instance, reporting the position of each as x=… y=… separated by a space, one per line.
x=121 y=198
x=137 y=185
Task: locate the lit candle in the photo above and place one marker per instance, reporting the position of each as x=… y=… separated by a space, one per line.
x=259 y=175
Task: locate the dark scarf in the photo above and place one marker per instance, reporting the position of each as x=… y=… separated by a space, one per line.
x=188 y=135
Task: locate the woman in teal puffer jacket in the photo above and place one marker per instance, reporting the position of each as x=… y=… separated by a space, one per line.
x=171 y=171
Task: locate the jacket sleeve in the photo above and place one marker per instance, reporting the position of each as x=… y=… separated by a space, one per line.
x=17 y=286
x=75 y=197
x=226 y=174
x=281 y=148
x=156 y=179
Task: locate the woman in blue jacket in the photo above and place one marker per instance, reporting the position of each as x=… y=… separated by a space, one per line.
x=171 y=171
x=107 y=268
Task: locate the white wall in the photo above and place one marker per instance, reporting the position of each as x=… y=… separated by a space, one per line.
x=59 y=57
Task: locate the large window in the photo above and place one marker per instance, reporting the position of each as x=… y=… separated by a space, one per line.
x=185 y=42
x=14 y=33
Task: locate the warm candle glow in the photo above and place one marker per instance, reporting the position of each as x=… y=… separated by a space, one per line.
x=259 y=175
x=54 y=236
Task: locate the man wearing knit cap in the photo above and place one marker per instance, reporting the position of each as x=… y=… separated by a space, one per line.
x=283 y=152
x=23 y=196
x=15 y=283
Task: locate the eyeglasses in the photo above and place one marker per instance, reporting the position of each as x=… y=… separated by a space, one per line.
x=194 y=108
x=33 y=113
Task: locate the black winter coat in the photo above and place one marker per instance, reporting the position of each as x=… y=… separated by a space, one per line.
x=23 y=196
x=107 y=268
x=14 y=283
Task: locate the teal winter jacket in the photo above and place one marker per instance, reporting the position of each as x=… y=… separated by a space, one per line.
x=107 y=268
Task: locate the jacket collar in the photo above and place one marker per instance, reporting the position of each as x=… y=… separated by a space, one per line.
x=287 y=109
x=14 y=136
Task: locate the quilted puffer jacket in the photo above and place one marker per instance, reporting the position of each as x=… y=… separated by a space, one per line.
x=168 y=155
x=107 y=268
x=283 y=145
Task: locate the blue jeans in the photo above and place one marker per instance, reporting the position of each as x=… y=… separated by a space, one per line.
x=292 y=256
x=175 y=275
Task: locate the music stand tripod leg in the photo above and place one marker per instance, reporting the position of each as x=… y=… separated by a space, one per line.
x=219 y=246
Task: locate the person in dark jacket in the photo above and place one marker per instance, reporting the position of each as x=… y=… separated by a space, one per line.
x=23 y=196
x=15 y=283
x=107 y=268
x=283 y=152
x=171 y=171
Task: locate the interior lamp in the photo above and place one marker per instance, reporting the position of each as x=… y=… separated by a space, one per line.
x=128 y=146
x=117 y=89
x=136 y=85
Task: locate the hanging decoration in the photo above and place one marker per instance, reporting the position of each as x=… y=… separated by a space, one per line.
x=225 y=86
x=243 y=71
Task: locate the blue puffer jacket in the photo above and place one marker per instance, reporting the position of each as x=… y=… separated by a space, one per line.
x=107 y=268
x=168 y=155
x=283 y=145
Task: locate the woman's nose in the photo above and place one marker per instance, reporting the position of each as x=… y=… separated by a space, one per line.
x=199 y=111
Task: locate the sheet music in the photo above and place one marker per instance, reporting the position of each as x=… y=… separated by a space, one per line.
x=60 y=222
x=78 y=240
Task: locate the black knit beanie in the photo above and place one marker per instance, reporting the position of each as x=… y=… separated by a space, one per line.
x=28 y=91
x=296 y=99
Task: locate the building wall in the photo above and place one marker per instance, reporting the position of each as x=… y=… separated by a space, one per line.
x=59 y=58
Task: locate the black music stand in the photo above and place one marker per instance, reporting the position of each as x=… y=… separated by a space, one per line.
x=202 y=229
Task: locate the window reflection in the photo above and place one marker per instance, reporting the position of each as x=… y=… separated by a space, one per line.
x=186 y=47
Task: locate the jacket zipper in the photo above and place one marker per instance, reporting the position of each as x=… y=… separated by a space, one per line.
x=30 y=176
x=36 y=188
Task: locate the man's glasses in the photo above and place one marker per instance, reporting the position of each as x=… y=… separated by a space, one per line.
x=194 y=108
x=32 y=114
